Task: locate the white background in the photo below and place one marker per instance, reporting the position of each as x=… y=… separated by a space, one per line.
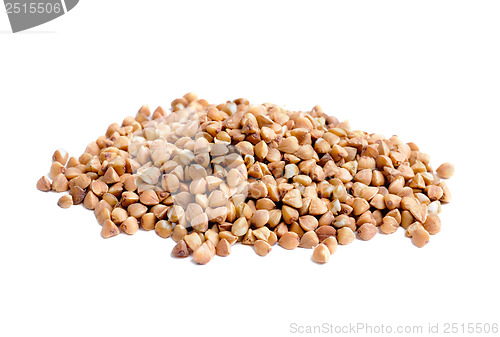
x=428 y=71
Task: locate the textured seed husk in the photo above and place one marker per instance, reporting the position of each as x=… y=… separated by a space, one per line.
x=164 y=228
x=200 y=222
x=367 y=231
x=111 y=177
x=293 y=198
x=150 y=175
x=55 y=169
x=432 y=224
x=262 y=248
x=179 y=233
x=317 y=207
x=72 y=162
x=83 y=181
x=295 y=227
x=211 y=247
x=369 y=193
x=341 y=221
x=193 y=241
x=378 y=216
x=364 y=176
x=118 y=215
x=265 y=204
x=180 y=250
x=217 y=199
x=257 y=190
x=331 y=243
x=129 y=183
x=417 y=181
x=60 y=183
x=90 y=201
x=262 y=233
x=149 y=198
x=233 y=178
x=218 y=214
x=214 y=182
x=366 y=217
x=378 y=178
x=137 y=210
x=274 y=217
x=406 y=219
x=175 y=213
x=434 y=207
x=420 y=237
x=74 y=172
x=281 y=229
x=408 y=202
x=85 y=158
x=78 y=195
x=289 y=214
x=202 y=255
x=172 y=183
x=326 y=219
x=289 y=240
x=129 y=198
x=65 y=201
x=260 y=218
x=345 y=235
x=245 y=148
x=60 y=156
x=272 y=239
x=291 y=170
x=308 y=222
x=110 y=199
x=240 y=227
x=325 y=231
x=360 y=206
x=445 y=170
x=289 y=145
x=44 y=184
x=419 y=212
x=212 y=235
x=446 y=192
x=392 y=201
x=412 y=228
x=192 y=211
x=148 y=221
x=223 y=248
x=396 y=214
x=261 y=150
x=309 y=240
x=230 y=237
x=130 y=225
x=321 y=254
x=109 y=229
x=249 y=238
x=389 y=225
x=102 y=211
x=219 y=149
x=378 y=201
x=434 y=192
x=99 y=187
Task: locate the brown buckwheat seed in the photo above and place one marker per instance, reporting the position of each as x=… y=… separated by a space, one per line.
x=212 y=175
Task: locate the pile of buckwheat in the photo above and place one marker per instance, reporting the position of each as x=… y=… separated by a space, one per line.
x=212 y=175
